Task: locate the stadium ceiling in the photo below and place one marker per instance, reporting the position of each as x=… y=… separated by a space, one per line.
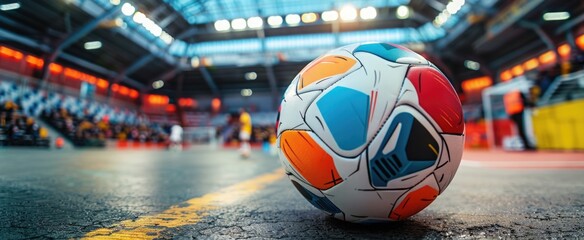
x=208 y=46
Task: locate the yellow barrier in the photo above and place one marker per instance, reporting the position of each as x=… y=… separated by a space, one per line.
x=560 y=126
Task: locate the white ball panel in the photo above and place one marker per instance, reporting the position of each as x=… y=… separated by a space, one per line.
x=356 y=197
x=293 y=110
x=412 y=60
x=344 y=166
x=446 y=170
x=308 y=187
x=408 y=95
x=379 y=78
x=385 y=81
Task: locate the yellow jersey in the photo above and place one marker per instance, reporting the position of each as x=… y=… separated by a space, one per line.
x=245 y=121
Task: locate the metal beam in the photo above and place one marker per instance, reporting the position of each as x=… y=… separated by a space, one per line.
x=484 y=68
x=72 y=38
x=45 y=48
x=164 y=77
x=273 y=85
x=23 y=40
x=438 y=6
x=154 y=13
x=571 y=40
x=506 y=18
x=91 y=8
x=570 y=24
x=150 y=56
x=18 y=25
x=269 y=69
x=87 y=28
x=167 y=20
x=496 y=64
x=452 y=35
x=137 y=64
x=167 y=75
x=99 y=69
x=207 y=77
x=272 y=79
x=540 y=33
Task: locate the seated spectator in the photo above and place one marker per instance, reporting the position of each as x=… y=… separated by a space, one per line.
x=86 y=130
x=10 y=106
x=19 y=129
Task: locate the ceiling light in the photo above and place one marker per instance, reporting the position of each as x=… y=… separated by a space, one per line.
x=222 y=25
x=9 y=6
x=115 y=2
x=402 y=12
x=328 y=16
x=246 y=92
x=454 y=6
x=275 y=21
x=119 y=22
x=250 y=76
x=166 y=38
x=472 y=65
x=139 y=17
x=348 y=13
x=238 y=24
x=441 y=18
x=309 y=17
x=152 y=27
x=128 y=9
x=368 y=13
x=207 y=62
x=195 y=62
x=92 y=45
x=158 y=84
x=255 y=22
x=556 y=16
x=292 y=19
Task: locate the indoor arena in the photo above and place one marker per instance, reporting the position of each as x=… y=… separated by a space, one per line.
x=291 y=119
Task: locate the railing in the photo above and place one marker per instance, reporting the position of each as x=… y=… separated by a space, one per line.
x=564 y=88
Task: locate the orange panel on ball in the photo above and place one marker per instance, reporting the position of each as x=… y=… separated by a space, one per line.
x=324 y=67
x=309 y=159
x=414 y=202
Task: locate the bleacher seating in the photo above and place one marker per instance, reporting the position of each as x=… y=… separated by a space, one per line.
x=17 y=129
x=84 y=122
x=34 y=102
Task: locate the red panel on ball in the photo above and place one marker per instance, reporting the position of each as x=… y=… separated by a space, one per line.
x=414 y=202
x=309 y=159
x=438 y=98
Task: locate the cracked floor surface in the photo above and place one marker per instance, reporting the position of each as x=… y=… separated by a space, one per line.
x=61 y=195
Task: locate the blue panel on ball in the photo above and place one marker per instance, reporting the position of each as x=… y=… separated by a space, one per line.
x=395 y=164
x=346 y=113
x=321 y=203
x=387 y=52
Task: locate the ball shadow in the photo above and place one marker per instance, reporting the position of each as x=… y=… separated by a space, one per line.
x=406 y=229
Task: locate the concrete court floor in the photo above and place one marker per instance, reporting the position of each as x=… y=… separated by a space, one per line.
x=204 y=193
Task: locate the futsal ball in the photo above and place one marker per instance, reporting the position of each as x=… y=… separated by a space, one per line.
x=370 y=132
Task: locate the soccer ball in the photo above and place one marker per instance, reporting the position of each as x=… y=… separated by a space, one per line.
x=370 y=132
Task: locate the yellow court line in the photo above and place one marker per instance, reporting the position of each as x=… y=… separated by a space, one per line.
x=190 y=212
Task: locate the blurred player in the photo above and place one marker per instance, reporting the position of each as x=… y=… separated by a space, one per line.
x=515 y=104
x=244 y=132
x=176 y=137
